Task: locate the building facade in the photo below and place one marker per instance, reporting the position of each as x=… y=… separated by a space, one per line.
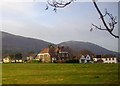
x=105 y=59
x=53 y=54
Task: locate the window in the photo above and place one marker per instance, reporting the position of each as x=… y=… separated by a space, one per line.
x=106 y=59
x=62 y=54
x=45 y=55
x=112 y=58
x=109 y=58
x=41 y=56
x=67 y=55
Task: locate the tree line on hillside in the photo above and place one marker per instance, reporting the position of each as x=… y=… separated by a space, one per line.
x=22 y=55
x=74 y=56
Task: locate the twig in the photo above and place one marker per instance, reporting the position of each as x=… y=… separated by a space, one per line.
x=111 y=24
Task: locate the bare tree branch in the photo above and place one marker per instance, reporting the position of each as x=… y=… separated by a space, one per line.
x=112 y=20
x=46 y=7
x=109 y=26
x=59 y=3
x=98 y=27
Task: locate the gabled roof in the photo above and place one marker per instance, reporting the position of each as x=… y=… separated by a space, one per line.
x=82 y=57
x=62 y=49
x=88 y=56
x=7 y=57
x=46 y=50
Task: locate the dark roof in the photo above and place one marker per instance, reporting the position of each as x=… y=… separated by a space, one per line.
x=105 y=56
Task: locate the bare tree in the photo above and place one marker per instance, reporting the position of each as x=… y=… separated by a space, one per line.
x=108 y=26
x=111 y=25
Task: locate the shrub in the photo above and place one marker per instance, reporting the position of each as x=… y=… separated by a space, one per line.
x=72 y=61
x=35 y=61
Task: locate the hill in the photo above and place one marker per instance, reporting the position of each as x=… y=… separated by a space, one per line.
x=14 y=43
x=79 y=45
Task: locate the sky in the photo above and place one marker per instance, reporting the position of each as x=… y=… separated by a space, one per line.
x=30 y=19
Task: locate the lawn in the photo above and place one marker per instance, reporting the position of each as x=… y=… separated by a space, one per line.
x=48 y=73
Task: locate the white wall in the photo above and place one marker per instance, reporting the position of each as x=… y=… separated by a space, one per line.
x=43 y=54
x=6 y=60
x=111 y=60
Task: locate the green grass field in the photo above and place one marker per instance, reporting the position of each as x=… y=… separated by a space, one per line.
x=59 y=73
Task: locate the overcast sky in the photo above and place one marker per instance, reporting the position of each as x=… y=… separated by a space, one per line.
x=73 y=22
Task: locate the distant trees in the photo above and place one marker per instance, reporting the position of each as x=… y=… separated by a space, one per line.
x=18 y=56
x=12 y=56
x=32 y=54
x=109 y=26
x=86 y=52
x=60 y=52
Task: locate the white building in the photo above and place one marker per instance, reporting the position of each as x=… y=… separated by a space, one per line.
x=88 y=58
x=19 y=60
x=105 y=59
x=44 y=56
x=110 y=60
x=82 y=59
x=6 y=59
x=85 y=59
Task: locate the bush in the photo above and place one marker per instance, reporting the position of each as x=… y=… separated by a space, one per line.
x=35 y=61
x=72 y=61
